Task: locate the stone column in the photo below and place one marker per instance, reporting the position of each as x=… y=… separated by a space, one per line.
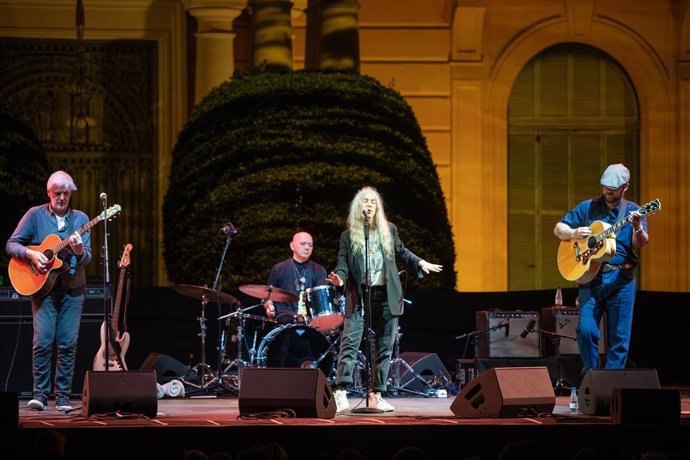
x=272 y=31
x=215 y=58
x=338 y=34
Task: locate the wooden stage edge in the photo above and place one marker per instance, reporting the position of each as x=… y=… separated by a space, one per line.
x=214 y=425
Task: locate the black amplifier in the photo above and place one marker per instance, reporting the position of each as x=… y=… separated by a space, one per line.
x=14 y=305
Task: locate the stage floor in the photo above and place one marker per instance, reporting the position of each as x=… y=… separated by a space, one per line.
x=214 y=425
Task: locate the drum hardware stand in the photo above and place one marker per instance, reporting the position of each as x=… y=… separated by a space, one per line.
x=396 y=362
x=238 y=363
x=202 y=370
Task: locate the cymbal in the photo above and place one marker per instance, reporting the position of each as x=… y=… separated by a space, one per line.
x=201 y=292
x=268 y=292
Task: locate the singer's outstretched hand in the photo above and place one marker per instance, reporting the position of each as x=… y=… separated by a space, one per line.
x=334 y=279
x=429 y=267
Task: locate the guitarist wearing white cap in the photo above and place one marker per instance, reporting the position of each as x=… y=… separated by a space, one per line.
x=602 y=263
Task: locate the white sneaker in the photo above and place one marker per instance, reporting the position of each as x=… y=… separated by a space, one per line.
x=376 y=400
x=39 y=403
x=341 y=402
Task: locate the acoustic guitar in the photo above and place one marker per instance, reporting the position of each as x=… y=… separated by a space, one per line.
x=119 y=342
x=580 y=260
x=25 y=277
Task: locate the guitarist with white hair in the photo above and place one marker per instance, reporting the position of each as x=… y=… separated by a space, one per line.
x=607 y=285
x=57 y=307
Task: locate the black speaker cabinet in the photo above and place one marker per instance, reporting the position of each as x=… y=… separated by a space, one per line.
x=427 y=366
x=564 y=320
x=304 y=391
x=505 y=342
x=645 y=406
x=15 y=352
x=9 y=409
x=594 y=397
x=133 y=392
x=167 y=368
x=506 y=392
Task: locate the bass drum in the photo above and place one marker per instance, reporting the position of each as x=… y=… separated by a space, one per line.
x=296 y=345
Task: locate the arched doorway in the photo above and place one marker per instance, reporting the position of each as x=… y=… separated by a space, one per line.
x=572 y=110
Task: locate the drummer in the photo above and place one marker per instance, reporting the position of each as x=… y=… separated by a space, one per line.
x=295 y=274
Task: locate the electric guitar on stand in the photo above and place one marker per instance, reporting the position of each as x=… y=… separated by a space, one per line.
x=579 y=260
x=115 y=354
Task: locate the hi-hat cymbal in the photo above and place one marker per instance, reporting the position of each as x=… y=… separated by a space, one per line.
x=202 y=292
x=268 y=292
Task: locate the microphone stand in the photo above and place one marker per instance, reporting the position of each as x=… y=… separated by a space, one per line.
x=470 y=336
x=367 y=325
x=228 y=230
x=560 y=388
x=107 y=308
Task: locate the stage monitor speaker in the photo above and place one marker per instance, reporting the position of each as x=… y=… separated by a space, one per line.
x=9 y=409
x=594 y=397
x=502 y=392
x=167 y=368
x=304 y=391
x=564 y=320
x=645 y=406
x=428 y=366
x=506 y=342
x=133 y=392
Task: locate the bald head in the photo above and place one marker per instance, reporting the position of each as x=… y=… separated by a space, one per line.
x=302 y=245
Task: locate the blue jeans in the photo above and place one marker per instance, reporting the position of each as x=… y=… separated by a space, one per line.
x=56 y=323
x=613 y=293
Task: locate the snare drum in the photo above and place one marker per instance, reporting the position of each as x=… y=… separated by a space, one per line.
x=296 y=345
x=326 y=307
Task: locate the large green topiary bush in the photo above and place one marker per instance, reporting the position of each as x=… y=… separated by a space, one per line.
x=24 y=170
x=274 y=153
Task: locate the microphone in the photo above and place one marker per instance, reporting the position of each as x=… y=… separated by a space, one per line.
x=528 y=328
x=228 y=229
x=366 y=224
x=506 y=324
x=103 y=196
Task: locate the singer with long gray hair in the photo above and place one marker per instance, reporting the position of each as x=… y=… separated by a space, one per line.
x=369 y=247
x=57 y=312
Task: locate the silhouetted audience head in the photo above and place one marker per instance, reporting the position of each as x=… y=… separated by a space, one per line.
x=49 y=445
x=220 y=456
x=587 y=454
x=195 y=454
x=516 y=451
x=349 y=454
x=410 y=453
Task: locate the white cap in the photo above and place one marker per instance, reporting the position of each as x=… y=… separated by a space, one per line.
x=615 y=176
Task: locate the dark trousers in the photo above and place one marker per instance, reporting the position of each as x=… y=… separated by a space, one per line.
x=384 y=325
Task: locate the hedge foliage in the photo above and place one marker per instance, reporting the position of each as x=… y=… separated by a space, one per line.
x=24 y=170
x=275 y=153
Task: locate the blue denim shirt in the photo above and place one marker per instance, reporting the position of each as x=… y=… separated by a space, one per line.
x=37 y=224
x=589 y=211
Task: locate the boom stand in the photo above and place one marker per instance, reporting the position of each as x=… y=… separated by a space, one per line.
x=560 y=387
x=369 y=332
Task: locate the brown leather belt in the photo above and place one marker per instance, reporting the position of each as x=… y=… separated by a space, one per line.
x=609 y=268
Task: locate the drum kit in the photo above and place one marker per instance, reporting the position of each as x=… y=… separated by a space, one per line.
x=309 y=341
